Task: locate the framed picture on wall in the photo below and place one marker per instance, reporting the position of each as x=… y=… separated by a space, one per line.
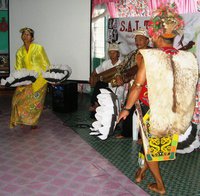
x=4 y=64
x=3 y=4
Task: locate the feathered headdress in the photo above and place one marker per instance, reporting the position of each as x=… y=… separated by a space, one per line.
x=166 y=22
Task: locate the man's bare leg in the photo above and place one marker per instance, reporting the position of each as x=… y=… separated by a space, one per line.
x=140 y=173
x=159 y=185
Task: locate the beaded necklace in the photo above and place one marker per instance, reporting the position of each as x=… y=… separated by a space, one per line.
x=169 y=50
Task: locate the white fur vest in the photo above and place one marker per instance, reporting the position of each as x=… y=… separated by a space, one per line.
x=161 y=83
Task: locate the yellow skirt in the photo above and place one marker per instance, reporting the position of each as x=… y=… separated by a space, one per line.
x=27 y=105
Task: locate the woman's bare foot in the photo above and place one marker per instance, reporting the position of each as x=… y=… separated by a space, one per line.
x=154 y=187
x=34 y=127
x=24 y=129
x=140 y=174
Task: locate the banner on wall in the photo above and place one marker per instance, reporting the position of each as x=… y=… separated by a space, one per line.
x=121 y=30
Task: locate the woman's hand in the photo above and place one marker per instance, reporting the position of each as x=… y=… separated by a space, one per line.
x=122 y=115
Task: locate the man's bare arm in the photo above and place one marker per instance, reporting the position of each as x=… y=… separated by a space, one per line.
x=135 y=88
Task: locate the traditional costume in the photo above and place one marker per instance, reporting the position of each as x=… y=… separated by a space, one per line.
x=171 y=98
x=27 y=103
x=171 y=77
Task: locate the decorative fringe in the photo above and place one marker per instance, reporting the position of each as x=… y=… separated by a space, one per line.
x=106 y=115
x=188 y=141
x=20 y=78
x=57 y=74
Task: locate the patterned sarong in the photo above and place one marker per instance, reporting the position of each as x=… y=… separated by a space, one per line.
x=154 y=148
x=27 y=105
x=158 y=148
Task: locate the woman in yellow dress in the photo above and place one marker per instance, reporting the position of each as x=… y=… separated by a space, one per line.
x=28 y=101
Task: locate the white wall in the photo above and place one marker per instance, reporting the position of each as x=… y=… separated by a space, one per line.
x=61 y=26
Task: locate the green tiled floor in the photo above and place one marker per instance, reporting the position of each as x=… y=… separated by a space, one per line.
x=181 y=177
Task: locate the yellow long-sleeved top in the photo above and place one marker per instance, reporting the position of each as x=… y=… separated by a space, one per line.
x=35 y=59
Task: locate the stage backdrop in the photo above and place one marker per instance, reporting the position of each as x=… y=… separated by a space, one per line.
x=121 y=30
x=61 y=26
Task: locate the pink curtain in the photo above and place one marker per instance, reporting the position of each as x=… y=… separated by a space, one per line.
x=112 y=9
x=184 y=6
x=110 y=6
x=96 y=2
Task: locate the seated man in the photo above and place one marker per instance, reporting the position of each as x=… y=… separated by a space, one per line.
x=114 y=54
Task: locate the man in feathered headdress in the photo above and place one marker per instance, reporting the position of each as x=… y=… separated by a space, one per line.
x=171 y=77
